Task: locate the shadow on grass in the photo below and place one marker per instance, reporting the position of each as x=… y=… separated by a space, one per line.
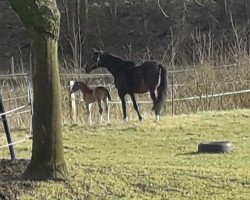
x=200 y=153
x=11 y=184
x=189 y=153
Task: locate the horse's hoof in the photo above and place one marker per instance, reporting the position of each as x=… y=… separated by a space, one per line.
x=157 y=118
x=125 y=120
x=140 y=118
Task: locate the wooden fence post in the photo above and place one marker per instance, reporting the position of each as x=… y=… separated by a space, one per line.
x=72 y=101
x=172 y=88
x=7 y=130
x=30 y=102
x=12 y=65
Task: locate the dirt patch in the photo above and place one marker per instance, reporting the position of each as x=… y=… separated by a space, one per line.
x=10 y=184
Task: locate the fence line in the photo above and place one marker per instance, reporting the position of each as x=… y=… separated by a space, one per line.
x=13 y=143
x=20 y=113
x=183 y=84
x=73 y=99
x=214 y=95
x=13 y=75
x=15 y=98
x=7 y=130
x=183 y=99
x=14 y=110
x=109 y=75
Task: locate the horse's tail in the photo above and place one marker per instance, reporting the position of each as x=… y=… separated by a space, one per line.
x=162 y=89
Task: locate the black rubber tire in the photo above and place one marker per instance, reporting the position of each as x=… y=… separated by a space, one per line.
x=215 y=147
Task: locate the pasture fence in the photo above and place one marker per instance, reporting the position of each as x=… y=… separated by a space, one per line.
x=6 y=128
x=4 y=116
x=189 y=90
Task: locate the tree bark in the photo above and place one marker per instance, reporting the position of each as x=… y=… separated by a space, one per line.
x=84 y=18
x=247 y=4
x=225 y=9
x=42 y=18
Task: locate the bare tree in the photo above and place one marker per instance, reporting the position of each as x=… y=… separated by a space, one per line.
x=42 y=19
x=247 y=4
x=224 y=7
x=84 y=24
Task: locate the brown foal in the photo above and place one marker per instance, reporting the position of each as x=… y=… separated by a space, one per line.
x=97 y=94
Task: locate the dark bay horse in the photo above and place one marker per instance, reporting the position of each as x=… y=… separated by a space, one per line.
x=130 y=79
x=97 y=94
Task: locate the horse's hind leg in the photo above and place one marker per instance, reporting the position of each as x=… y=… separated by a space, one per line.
x=157 y=111
x=122 y=97
x=100 y=110
x=153 y=97
x=135 y=106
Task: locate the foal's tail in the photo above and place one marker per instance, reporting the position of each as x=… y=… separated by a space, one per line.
x=162 y=90
x=108 y=95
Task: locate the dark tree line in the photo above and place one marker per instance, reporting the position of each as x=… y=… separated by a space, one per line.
x=150 y=27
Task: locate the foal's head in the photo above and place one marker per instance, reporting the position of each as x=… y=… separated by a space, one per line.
x=77 y=86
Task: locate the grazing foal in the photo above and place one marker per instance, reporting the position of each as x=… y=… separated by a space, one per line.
x=97 y=94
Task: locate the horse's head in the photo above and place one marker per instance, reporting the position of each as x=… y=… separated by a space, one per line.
x=96 y=61
x=75 y=87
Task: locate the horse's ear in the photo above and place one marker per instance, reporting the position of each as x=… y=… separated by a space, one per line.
x=97 y=50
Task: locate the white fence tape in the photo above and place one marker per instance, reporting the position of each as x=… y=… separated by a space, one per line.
x=12 y=99
x=19 y=113
x=14 y=110
x=187 y=98
x=214 y=95
x=13 y=143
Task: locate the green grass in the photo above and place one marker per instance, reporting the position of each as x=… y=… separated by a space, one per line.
x=150 y=160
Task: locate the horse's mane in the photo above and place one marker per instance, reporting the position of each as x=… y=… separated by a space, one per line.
x=126 y=63
x=83 y=83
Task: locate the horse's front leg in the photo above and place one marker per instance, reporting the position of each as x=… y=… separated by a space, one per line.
x=89 y=118
x=135 y=106
x=122 y=97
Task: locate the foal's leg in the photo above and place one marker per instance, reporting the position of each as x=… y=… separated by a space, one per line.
x=88 y=106
x=107 y=108
x=135 y=106
x=122 y=97
x=100 y=110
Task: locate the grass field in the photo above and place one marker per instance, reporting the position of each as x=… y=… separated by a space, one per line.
x=152 y=160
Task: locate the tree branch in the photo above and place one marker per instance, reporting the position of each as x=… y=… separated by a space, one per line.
x=163 y=12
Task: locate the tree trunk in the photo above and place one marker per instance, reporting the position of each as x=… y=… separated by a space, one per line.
x=247 y=4
x=114 y=8
x=84 y=17
x=225 y=9
x=144 y=17
x=42 y=18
